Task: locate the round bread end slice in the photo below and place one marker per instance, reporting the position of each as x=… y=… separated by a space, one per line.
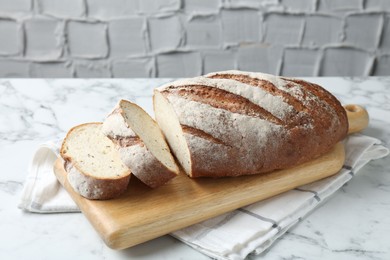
x=141 y=144
x=95 y=169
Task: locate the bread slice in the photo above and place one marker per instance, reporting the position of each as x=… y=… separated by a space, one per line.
x=93 y=164
x=141 y=144
x=234 y=123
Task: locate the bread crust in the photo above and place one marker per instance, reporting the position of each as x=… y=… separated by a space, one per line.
x=95 y=188
x=145 y=166
x=87 y=185
x=309 y=122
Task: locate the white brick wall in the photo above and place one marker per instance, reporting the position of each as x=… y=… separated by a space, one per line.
x=126 y=37
x=43 y=39
x=72 y=9
x=11 y=37
x=142 y=67
x=330 y=27
x=15 y=6
x=240 y=26
x=284 y=29
x=178 y=38
x=87 y=39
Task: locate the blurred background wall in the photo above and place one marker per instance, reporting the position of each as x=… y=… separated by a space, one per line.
x=179 y=38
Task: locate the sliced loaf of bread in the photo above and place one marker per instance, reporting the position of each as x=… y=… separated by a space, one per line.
x=95 y=169
x=234 y=123
x=141 y=144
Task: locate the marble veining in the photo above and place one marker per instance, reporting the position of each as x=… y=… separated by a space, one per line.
x=36 y=110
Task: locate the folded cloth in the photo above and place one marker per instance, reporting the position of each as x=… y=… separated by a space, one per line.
x=252 y=229
x=42 y=193
x=233 y=235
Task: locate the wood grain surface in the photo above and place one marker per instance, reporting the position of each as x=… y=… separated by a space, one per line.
x=142 y=213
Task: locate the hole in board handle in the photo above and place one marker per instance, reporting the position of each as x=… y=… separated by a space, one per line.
x=353 y=108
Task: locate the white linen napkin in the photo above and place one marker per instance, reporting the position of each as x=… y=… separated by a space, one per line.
x=233 y=235
x=42 y=193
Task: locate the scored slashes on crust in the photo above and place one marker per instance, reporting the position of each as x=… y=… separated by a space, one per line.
x=236 y=123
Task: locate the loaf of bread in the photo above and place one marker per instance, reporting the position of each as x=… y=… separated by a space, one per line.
x=141 y=144
x=94 y=168
x=235 y=123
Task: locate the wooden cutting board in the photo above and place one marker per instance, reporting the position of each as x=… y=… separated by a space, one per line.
x=142 y=214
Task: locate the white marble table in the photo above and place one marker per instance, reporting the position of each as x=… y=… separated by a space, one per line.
x=35 y=110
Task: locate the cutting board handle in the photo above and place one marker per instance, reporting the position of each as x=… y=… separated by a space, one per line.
x=357 y=118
